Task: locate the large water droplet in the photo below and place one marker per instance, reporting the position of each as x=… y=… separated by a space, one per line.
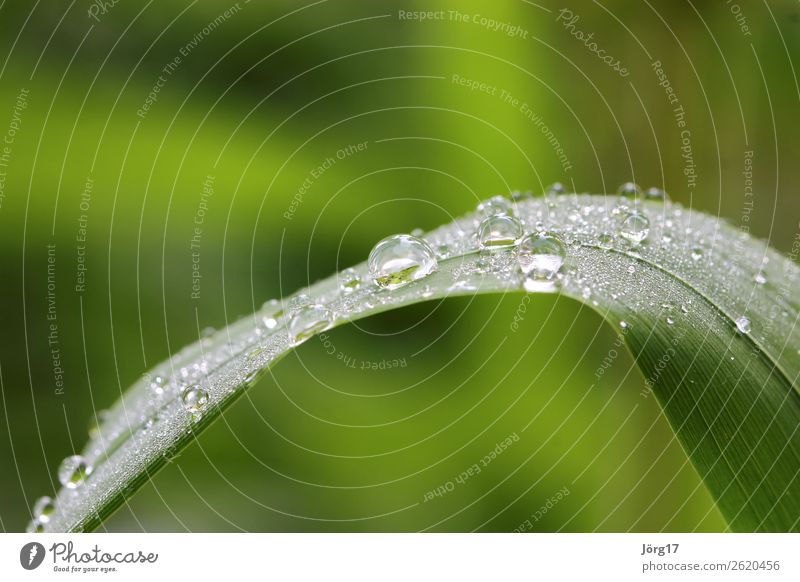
x=349 y=281
x=743 y=325
x=541 y=255
x=73 y=471
x=494 y=205
x=634 y=227
x=195 y=399
x=499 y=231
x=400 y=259
x=308 y=321
x=43 y=509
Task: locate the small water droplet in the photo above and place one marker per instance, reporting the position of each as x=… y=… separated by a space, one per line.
x=696 y=253
x=493 y=206
x=634 y=228
x=35 y=526
x=309 y=321
x=349 y=281
x=195 y=399
x=743 y=325
x=73 y=471
x=760 y=278
x=271 y=313
x=629 y=190
x=541 y=255
x=43 y=508
x=670 y=320
x=555 y=189
x=605 y=240
x=685 y=307
x=499 y=231
x=624 y=324
x=631 y=269
x=158 y=384
x=656 y=194
x=400 y=259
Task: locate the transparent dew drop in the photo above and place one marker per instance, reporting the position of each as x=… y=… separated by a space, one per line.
x=43 y=508
x=743 y=325
x=195 y=399
x=624 y=324
x=605 y=240
x=670 y=320
x=629 y=190
x=499 y=231
x=541 y=256
x=35 y=526
x=158 y=384
x=634 y=228
x=696 y=253
x=656 y=194
x=494 y=205
x=555 y=189
x=308 y=321
x=73 y=471
x=760 y=278
x=443 y=251
x=349 y=281
x=400 y=259
x=271 y=313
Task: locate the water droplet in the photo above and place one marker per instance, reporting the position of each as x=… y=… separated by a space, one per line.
x=43 y=508
x=555 y=189
x=400 y=259
x=35 y=526
x=541 y=255
x=656 y=194
x=309 y=321
x=494 y=205
x=349 y=281
x=605 y=240
x=743 y=325
x=624 y=324
x=670 y=320
x=685 y=307
x=73 y=471
x=760 y=278
x=195 y=399
x=417 y=232
x=271 y=313
x=629 y=190
x=634 y=228
x=499 y=231
x=157 y=384
x=696 y=253
x=631 y=269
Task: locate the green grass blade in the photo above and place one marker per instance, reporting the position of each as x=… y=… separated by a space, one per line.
x=730 y=395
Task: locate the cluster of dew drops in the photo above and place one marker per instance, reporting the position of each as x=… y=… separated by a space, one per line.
x=397 y=261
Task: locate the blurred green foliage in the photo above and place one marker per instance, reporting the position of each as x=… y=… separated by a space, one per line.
x=261 y=101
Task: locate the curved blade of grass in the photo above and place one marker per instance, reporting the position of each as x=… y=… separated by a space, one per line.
x=732 y=397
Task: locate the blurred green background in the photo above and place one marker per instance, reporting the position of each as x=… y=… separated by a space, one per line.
x=263 y=95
